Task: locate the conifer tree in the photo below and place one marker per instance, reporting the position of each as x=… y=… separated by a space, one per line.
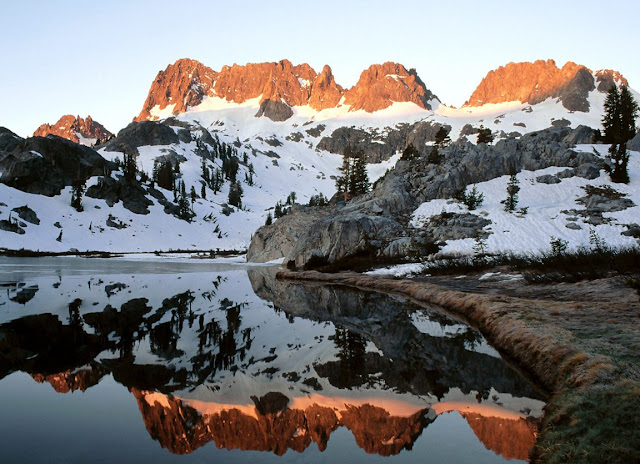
x=76 y=196
x=513 y=188
x=359 y=179
x=409 y=153
x=442 y=137
x=484 y=135
x=235 y=194
x=619 y=124
x=269 y=220
x=342 y=181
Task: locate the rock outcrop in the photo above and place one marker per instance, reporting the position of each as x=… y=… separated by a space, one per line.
x=45 y=165
x=535 y=82
x=83 y=131
x=379 y=147
x=280 y=86
x=275 y=242
x=138 y=134
x=374 y=226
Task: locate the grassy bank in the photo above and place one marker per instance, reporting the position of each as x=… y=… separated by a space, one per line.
x=584 y=350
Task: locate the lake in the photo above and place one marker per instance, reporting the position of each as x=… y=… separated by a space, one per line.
x=125 y=360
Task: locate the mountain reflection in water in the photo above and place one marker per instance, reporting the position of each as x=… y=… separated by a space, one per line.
x=251 y=363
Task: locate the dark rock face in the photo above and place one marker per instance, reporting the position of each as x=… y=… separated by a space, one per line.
x=27 y=214
x=138 y=134
x=8 y=140
x=73 y=127
x=132 y=194
x=46 y=165
x=275 y=110
x=379 y=147
x=634 y=143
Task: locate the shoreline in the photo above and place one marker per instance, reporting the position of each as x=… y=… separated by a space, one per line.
x=584 y=383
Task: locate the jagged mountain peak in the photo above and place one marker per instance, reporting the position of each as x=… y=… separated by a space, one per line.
x=281 y=85
x=84 y=131
x=534 y=82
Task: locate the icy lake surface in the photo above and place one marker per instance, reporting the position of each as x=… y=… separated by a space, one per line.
x=122 y=360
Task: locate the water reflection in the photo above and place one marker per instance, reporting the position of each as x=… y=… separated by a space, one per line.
x=251 y=363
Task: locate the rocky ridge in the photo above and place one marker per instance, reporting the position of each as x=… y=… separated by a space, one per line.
x=535 y=82
x=375 y=226
x=280 y=86
x=78 y=130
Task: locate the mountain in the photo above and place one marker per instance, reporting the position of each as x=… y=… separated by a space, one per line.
x=83 y=131
x=535 y=82
x=209 y=127
x=280 y=86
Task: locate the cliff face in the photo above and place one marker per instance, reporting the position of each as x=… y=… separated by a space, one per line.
x=535 y=82
x=76 y=129
x=281 y=86
x=183 y=84
x=381 y=85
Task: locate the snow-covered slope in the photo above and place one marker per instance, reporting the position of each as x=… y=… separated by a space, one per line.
x=551 y=212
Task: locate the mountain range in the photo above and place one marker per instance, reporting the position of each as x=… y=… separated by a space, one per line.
x=286 y=126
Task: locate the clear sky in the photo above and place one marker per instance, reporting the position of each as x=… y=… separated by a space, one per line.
x=99 y=57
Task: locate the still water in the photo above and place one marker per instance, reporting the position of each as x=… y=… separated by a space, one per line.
x=143 y=361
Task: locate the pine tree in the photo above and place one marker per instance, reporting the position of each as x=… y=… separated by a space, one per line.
x=442 y=137
x=342 y=181
x=611 y=120
x=129 y=166
x=193 y=195
x=269 y=220
x=76 y=196
x=484 y=135
x=434 y=155
x=409 y=153
x=359 y=178
x=203 y=192
x=619 y=124
x=235 y=194
x=628 y=114
x=513 y=188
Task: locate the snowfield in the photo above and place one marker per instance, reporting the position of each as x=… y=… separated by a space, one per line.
x=548 y=212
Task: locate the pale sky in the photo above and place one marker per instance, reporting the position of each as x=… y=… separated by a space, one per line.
x=100 y=57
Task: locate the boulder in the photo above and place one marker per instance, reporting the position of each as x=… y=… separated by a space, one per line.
x=276 y=240
x=339 y=239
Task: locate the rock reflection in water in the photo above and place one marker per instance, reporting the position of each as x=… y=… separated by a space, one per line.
x=257 y=364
